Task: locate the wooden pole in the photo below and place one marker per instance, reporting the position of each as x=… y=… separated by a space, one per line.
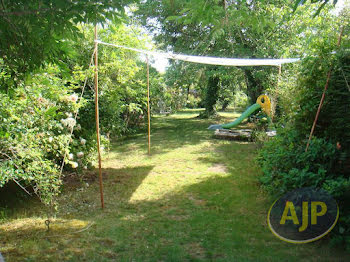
x=279 y=76
x=97 y=120
x=323 y=96
x=279 y=71
x=273 y=104
x=148 y=109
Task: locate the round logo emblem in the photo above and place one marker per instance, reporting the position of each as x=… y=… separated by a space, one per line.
x=303 y=215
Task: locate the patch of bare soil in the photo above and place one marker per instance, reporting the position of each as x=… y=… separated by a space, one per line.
x=218 y=168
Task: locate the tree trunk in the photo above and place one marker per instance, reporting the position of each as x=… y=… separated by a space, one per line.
x=225 y=105
x=254 y=86
x=211 y=96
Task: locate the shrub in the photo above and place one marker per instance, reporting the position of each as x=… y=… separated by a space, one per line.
x=192 y=101
x=326 y=164
x=38 y=113
x=35 y=124
x=287 y=166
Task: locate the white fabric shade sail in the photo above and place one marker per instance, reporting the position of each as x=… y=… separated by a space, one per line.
x=209 y=60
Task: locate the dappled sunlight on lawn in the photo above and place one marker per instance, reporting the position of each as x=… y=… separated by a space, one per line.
x=29 y=231
x=229 y=115
x=175 y=170
x=34 y=225
x=194 y=198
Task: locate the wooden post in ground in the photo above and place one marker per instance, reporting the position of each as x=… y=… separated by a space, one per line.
x=148 y=109
x=323 y=96
x=98 y=121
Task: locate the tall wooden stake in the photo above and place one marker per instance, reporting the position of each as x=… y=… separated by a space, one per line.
x=323 y=96
x=279 y=76
x=279 y=71
x=97 y=120
x=148 y=109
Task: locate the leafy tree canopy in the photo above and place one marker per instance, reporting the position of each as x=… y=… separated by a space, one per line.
x=245 y=29
x=322 y=4
x=38 y=31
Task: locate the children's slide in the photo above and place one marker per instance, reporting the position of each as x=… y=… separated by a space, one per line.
x=263 y=102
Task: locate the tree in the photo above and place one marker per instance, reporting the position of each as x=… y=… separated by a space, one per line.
x=122 y=78
x=35 y=32
x=245 y=29
x=321 y=3
x=38 y=128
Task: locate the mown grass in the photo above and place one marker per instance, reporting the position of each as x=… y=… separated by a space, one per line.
x=194 y=199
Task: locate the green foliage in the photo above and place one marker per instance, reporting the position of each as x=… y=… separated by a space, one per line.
x=232 y=90
x=253 y=29
x=211 y=95
x=36 y=121
x=287 y=166
x=181 y=80
x=39 y=114
x=123 y=82
x=24 y=24
x=240 y=100
x=284 y=162
x=335 y=116
x=37 y=108
x=321 y=4
x=192 y=101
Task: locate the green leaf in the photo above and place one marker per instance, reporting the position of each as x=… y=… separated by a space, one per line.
x=298 y=3
x=319 y=9
x=51 y=112
x=172 y=18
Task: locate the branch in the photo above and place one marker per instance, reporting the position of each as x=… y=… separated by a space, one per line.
x=14 y=180
x=23 y=188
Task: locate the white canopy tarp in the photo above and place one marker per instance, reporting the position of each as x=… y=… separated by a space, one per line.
x=209 y=60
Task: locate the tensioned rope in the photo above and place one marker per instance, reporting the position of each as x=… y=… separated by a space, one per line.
x=198 y=59
x=187 y=58
x=76 y=114
x=210 y=60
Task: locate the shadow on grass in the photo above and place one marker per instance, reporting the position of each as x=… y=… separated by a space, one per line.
x=166 y=135
x=221 y=218
x=218 y=219
x=25 y=235
x=121 y=183
x=171 y=132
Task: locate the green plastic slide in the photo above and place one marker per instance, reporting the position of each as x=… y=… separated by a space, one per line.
x=250 y=110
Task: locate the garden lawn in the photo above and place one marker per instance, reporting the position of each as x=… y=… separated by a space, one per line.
x=195 y=198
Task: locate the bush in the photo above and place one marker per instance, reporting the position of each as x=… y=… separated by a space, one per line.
x=35 y=124
x=38 y=113
x=240 y=100
x=192 y=101
x=326 y=164
x=286 y=166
